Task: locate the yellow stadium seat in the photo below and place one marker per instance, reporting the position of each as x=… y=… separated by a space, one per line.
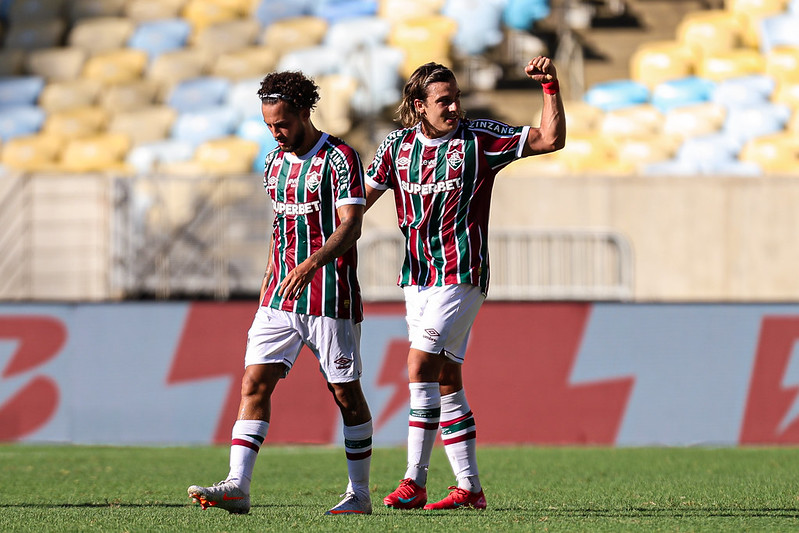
x=116 y=66
x=101 y=34
x=787 y=93
x=228 y=36
x=733 y=64
x=172 y=67
x=581 y=117
x=537 y=166
x=782 y=63
x=793 y=124
x=249 y=62
x=56 y=64
x=694 y=120
x=399 y=10
x=129 y=96
x=242 y=8
x=34 y=153
x=76 y=123
x=775 y=154
x=333 y=114
x=710 y=32
x=227 y=155
x=659 y=61
x=204 y=13
x=640 y=120
x=64 y=95
x=750 y=13
x=105 y=152
x=423 y=39
x=590 y=153
x=145 y=124
x=641 y=150
x=294 y=33
x=147 y=10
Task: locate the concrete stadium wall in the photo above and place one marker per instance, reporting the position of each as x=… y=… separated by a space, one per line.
x=535 y=373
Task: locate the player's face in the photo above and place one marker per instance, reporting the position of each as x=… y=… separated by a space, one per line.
x=286 y=124
x=441 y=110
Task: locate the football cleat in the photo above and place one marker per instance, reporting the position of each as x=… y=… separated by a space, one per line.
x=223 y=495
x=459 y=499
x=352 y=504
x=408 y=495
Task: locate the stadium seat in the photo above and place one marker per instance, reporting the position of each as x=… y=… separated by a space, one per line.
x=202 y=125
x=116 y=66
x=242 y=98
x=83 y=9
x=19 y=121
x=99 y=153
x=101 y=34
x=581 y=117
x=268 y=12
x=333 y=113
x=12 y=62
x=589 y=152
x=744 y=91
x=479 y=24
x=204 y=13
x=745 y=123
x=287 y=35
x=643 y=150
x=158 y=36
x=335 y=10
x=376 y=72
x=33 y=34
x=228 y=36
x=313 y=61
x=680 y=92
x=31 y=153
x=793 y=7
x=660 y=61
x=782 y=63
x=148 y=158
x=71 y=94
x=670 y=168
x=522 y=14
x=227 y=155
x=708 y=152
x=198 y=93
x=148 y=10
x=398 y=10
x=551 y=164
x=32 y=10
x=779 y=30
x=694 y=120
x=423 y=39
x=616 y=94
x=144 y=125
x=242 y=8
x=751 y=12
x=775 y=154
x=710 y=32
x=349 y=35
x=129 y=96
x=76 y=123
x=56 y=64
x=173 y=67
x=733 y=64
x=254 y=129
x=787 y=93
x=734 y=168
x=643 y=120
x=20 y=90
x=249 y=62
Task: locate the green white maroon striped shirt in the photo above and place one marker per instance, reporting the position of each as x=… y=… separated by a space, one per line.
x=442 y=190
x=305 y=193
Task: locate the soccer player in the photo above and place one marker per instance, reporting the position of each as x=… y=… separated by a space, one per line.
x=309 y=295
x=441 y=168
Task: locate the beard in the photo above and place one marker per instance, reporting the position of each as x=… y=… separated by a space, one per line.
x=295 y=143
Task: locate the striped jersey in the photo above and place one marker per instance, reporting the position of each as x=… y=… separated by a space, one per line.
x=305 y=193
x=442 y=190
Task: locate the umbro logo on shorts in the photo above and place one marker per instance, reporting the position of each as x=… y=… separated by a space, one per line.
x=432 y=332
x=343 y=362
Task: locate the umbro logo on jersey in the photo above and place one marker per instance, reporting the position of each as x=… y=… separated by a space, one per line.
x=403 y=163
x=343 y=363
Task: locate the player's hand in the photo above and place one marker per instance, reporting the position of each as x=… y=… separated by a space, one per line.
x=295 y=281
x=541 y=69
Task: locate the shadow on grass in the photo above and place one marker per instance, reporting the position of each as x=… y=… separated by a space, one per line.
x=760 y=512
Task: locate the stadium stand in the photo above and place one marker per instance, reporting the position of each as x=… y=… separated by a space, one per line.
x=71 y=94
x=56 y=64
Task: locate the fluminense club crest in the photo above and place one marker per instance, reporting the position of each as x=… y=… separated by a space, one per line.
x=455 y=153
x=312 y=181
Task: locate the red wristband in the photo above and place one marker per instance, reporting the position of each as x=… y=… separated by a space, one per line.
x=552 y=87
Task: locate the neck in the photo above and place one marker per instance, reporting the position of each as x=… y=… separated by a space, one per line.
x=312 y=136
x=430 y=132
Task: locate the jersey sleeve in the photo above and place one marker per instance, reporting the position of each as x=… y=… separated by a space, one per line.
x=348 y=176
x=378 y=175
x=502 y=144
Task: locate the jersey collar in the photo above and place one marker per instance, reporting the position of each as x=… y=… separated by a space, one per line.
x=291 y=158
x=438 y=141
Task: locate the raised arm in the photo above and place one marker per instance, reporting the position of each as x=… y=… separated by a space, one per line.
x=551 y=134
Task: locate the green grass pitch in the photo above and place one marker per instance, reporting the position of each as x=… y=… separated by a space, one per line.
x=95 y=488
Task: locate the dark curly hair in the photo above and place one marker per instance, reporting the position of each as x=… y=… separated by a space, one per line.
x=291 y=87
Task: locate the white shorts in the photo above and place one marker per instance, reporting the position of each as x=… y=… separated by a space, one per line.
x=440 y=318
x=278 y=336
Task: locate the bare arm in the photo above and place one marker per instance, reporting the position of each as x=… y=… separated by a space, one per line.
x=372 y=195
x=348 y=231
x=270 y=268
x=551 y=134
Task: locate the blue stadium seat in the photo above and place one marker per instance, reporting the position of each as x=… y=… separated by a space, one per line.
x=617 y=94
x=377 y=69
x=336 y=10
x=18 y=121
x=198 y=93
x=793 y=7
x=779 y=30
x=522 y=14
x=745 y=123
x=744 y=91
x=20 y=90
x=254 y=129
x=313 y=61
x=709 y=150
x=158 y=36
x=479 y=24
x=680 y=92
x=146 y=157
x=269 y=11
x=348 y=35
x=243 y=98
x=202 y=125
